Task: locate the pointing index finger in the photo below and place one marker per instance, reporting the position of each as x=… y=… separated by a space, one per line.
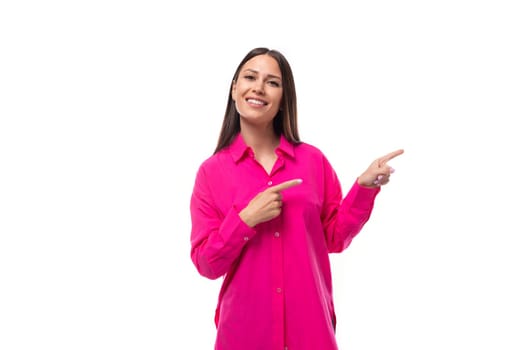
x=284 y=185
x=390 y=156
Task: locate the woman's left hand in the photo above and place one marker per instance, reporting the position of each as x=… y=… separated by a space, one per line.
x=378 y=173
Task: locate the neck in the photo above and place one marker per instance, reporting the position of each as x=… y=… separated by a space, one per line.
x=260 y=140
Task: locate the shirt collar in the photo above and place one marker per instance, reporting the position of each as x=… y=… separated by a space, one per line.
x=286 y=147
x=239 y=149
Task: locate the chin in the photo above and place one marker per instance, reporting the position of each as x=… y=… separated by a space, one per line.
x=256 y=120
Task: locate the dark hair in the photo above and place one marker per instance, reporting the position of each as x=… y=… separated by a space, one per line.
x=284 y=123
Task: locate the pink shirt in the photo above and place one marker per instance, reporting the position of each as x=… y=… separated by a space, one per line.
x=277 y=288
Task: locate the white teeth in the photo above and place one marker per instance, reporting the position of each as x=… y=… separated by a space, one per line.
x=257 y=102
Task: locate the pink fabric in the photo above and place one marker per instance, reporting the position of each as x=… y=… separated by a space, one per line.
x=277 y=288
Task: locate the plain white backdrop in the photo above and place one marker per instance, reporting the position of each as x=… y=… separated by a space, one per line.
x=108 y=107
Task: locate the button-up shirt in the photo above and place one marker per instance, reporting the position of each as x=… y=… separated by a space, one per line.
x=277 y=287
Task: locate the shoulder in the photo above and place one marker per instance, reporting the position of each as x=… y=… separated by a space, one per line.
x=307 y=149
x=215 y=160
x=313 y=155
x=208 y=171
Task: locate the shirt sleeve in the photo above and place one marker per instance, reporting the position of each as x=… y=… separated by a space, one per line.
x=344 y=218
x=217 y=239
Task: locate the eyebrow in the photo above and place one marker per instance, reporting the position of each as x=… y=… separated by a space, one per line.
x=269 y=75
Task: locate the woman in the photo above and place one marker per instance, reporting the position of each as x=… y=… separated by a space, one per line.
x=266 y=211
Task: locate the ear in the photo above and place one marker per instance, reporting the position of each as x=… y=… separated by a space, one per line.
x=234 y=89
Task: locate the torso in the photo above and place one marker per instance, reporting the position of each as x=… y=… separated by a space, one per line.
x=267 y=161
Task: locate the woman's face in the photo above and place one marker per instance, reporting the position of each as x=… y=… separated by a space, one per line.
x=258 y=90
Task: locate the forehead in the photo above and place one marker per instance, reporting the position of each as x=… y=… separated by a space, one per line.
x=264 y=64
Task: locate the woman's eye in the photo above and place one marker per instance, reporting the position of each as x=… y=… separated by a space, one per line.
x=249 y=77
x=274 y=83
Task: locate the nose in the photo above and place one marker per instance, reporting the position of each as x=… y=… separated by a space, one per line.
x=258 y=87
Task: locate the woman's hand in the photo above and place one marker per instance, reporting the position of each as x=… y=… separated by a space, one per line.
x=378 y=173
x=267 y=204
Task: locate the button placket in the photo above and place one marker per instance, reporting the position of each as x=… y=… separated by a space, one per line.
x=277 y=287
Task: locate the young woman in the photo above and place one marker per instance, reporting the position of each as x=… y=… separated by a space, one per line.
x=266 y=211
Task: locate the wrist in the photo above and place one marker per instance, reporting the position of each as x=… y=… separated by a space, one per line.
x=245 y=217
x=363 y=183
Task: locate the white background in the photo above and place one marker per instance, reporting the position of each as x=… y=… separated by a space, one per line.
x=108 y=107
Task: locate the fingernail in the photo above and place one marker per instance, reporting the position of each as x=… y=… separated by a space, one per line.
x=392 y=170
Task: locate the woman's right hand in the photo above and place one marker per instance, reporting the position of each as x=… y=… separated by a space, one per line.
x=267 y=204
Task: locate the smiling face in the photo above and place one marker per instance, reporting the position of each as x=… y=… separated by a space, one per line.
x=258 y=90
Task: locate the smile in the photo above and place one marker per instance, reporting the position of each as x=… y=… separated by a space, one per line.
x=256 y=102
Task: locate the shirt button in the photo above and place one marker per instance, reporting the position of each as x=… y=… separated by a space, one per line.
x=278 y=290
x=246 y=238
x=270 y=183
x=277 y=234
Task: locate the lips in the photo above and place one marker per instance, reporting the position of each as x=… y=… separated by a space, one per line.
x=257 y=102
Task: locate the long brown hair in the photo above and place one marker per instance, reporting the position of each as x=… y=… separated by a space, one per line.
x=284 y=123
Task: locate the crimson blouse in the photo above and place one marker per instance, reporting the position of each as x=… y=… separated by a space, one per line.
x=277 y=287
